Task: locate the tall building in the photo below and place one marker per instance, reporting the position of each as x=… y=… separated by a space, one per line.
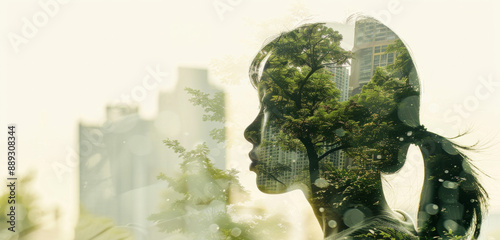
x=119 y=162
x=286 y=165
x=120 y=159
x=370 y=43
x=341 y=79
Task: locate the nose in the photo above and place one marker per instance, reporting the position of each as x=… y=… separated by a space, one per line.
x=252 y=132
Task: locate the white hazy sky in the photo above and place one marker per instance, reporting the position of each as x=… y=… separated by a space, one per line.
x=86 y=54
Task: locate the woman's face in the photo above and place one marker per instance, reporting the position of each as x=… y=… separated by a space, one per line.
x=291 y=93
x=278 y=168
x=303 y=83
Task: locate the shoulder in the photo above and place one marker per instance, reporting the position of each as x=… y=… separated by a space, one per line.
x=386 y=233
x=381 y=227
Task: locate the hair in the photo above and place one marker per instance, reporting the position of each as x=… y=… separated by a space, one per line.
x=452 y=199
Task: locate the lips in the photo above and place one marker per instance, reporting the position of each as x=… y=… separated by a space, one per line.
x=254 y=159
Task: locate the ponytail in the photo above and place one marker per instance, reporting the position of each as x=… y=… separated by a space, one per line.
x=452 y=202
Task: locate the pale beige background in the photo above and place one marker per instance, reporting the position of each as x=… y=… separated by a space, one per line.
x=91 y=52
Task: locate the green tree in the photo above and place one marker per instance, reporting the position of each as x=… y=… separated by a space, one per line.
x=300 y=95
x=197 y=204
x=200 y=201
x=403 y=65
x=214 y=109
x=303 y=100
x=378 y=138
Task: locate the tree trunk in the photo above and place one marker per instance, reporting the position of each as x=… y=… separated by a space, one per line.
x=313 y=175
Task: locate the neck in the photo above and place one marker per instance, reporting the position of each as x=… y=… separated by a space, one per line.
x=344 y=204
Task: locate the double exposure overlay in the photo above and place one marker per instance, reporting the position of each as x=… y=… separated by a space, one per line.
x=333 y=136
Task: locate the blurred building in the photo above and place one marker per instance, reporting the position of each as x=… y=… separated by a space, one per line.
x=120 y=159
x=370 y=43
x=179 y=119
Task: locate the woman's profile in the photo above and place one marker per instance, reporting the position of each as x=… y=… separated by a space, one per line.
x=309 y=134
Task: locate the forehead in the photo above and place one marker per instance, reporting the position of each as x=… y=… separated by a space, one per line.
x=260 y=68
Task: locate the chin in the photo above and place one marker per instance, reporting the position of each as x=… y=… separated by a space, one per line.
x=270 y=186
x=278 y=188
x=271 y=190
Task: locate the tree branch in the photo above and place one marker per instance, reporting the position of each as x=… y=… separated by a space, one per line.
x=298 y=103
x=331 y=151
x=275 y=178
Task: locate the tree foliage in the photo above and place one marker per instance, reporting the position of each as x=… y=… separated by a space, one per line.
x=298 y=88
x=198 y=204
x=384 y=233
x=214 y=110
x=299 y=94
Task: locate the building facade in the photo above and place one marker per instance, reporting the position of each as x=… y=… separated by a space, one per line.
x=371 y=39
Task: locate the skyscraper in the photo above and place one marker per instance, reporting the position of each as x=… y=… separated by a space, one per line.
x=288 y=166
x=341 y=79
x=370 y=43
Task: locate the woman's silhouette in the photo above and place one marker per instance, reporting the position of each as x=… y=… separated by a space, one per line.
x=306 y=136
